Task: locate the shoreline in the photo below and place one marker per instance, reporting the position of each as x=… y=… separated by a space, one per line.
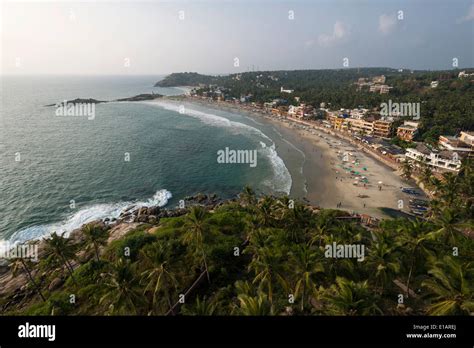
x=345 y=175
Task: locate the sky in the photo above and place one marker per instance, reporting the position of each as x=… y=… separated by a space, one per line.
x=217 y=37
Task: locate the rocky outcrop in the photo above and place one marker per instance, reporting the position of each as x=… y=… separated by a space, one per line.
x=80 y=101
x=140 y=97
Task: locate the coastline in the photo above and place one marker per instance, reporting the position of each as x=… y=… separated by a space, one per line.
x=357 y=182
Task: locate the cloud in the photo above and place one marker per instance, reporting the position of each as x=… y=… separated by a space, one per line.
x=387 y=23
x=469 y=16
x=340 y=31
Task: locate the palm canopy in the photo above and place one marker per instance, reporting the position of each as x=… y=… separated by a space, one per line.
x=121 y=289
x=450 y=287
x=347 y=297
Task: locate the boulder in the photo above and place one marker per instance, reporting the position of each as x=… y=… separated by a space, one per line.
x=55 y=284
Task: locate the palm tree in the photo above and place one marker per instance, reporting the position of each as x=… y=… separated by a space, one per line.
x=295 y=221
x=449 y=226
x=450 y=287
x=247 y=197
x=158 y=278
x=347 y=297
x=383 y=262
x=95 y=237
x=306 y=263
x=61 y=248
x=200 y=307
x=121 y=292
x=254 y=305
x=323 y=226
x=266 y=263
x=449 y=189
x=194 y=236
x=17 y=264
x=426 y=175
x=413 y=235
x=407 y=169
x=265 y=211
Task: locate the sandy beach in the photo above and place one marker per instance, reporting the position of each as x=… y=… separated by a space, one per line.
x=338 y=174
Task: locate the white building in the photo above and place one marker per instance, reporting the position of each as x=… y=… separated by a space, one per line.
x=441 y=161
x=359 y=113
x=282 y=90
x=454 y=144
x=467 y=137
x=463 y=74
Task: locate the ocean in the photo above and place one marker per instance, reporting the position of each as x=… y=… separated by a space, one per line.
x=59 y=172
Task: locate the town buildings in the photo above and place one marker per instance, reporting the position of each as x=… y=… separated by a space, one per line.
x=452 y=143
x=467 y=137
x=408 y=130
x=382 y=89
x=383 y=128
x=438 y=161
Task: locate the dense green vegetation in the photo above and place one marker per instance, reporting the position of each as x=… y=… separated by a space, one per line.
x=186 y=79
x=446 y=109
x=265 y=256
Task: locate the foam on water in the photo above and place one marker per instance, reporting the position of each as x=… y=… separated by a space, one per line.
x=210 y=119
x=282 y=179
x=83 y=216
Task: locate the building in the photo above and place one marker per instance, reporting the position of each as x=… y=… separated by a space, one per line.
x=340 y=123
x=407 y=131
x=360 y=126
x=282 y=90
x=379 y=79
x=382 y=89
x=467 y=137
x=454 y=144
x=434 y=84
x=359 y=113
x=463 y=74
x=439 y=161
x=383 y=128
x=393 y=152
x=300 y=111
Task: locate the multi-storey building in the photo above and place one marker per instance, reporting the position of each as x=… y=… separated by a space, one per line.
x=382 y=89
x=407 y=131
x=360 y=126
x=383 y=128
x=454 y=144
x=439 y=161
x=379 y=79
x=467 y=137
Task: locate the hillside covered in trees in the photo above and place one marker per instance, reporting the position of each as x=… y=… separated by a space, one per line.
x=446 y=109
x=257 y=256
